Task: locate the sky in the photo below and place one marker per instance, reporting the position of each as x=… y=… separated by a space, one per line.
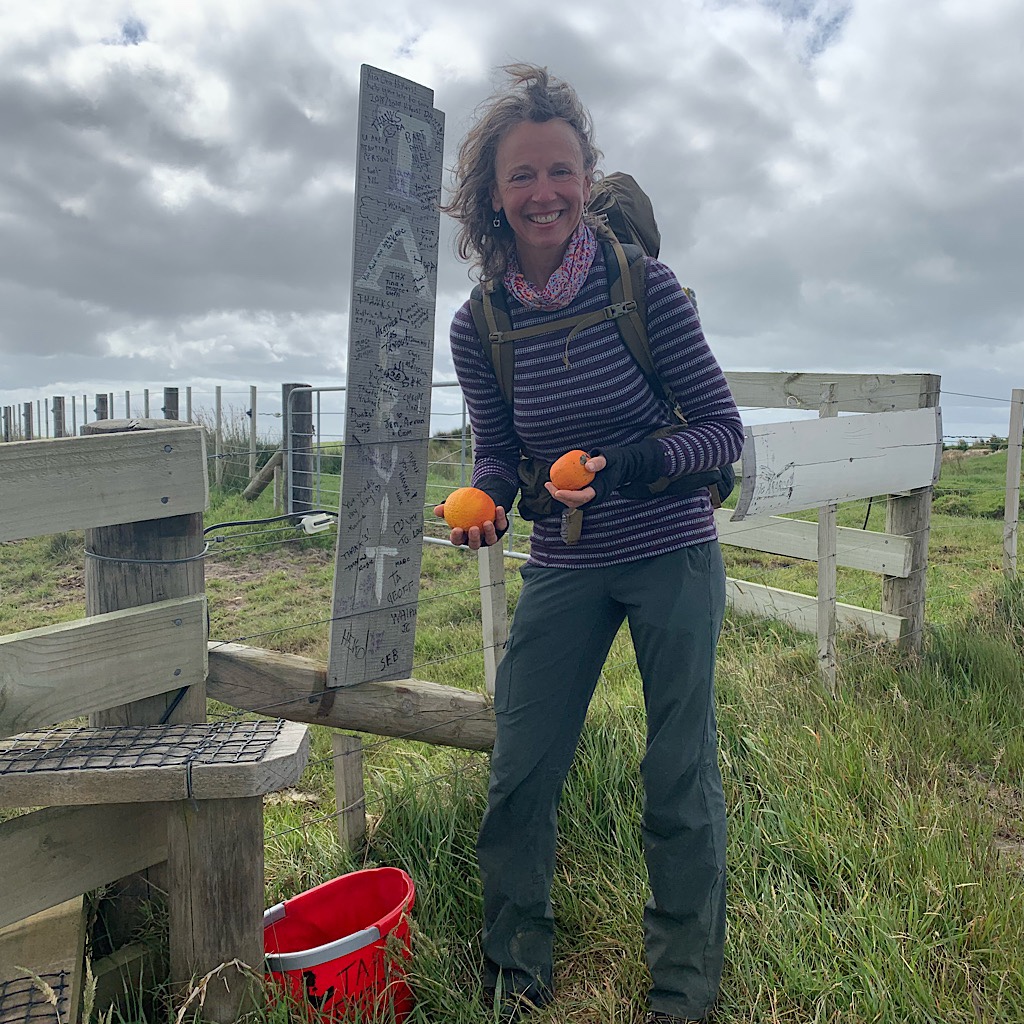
x=841 y=181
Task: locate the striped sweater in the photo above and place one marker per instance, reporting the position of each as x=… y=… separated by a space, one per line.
x=592 y=394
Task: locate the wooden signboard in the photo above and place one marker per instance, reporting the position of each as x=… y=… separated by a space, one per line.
x=390 y=357
x=788 y=467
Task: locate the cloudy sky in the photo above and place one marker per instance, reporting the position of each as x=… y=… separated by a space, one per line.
x=841 y=181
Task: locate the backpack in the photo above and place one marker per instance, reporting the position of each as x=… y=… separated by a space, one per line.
x=627 y=231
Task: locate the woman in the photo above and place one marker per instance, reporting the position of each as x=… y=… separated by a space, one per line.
x=523 y=179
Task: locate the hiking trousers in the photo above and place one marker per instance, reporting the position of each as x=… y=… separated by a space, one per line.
x=564 y=625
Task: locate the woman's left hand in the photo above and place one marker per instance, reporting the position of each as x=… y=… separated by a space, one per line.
x=574 y=499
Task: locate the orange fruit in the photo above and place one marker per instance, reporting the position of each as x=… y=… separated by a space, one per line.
x=468 y=506
x=569 y=473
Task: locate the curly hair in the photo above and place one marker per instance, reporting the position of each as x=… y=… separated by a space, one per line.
x=533 y=95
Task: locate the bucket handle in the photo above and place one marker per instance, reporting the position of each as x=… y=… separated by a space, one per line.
x=317 y=955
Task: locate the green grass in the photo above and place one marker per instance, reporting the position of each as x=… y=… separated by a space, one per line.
x=876 y=841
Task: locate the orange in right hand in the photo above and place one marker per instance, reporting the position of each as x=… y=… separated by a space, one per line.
x=467 y=507
x=569 y=473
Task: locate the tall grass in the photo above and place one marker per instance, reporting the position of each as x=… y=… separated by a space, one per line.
x=876 y=865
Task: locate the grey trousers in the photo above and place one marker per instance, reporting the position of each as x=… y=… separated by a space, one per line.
x=564 y=625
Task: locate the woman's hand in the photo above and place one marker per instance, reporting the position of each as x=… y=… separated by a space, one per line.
x=475 y=537
x=574 y=499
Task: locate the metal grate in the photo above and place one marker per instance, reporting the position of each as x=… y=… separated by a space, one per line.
x=148 y=746
x=24 y=1000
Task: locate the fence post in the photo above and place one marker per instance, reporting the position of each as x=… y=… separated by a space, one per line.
x=101 y=409
x=349 y=796
x=27 y=417
x=126 y=566
x=127 y=405
x=58 y=417
x=42 y=421
x=145 y=403
x=909 y=515
x=1011 y=517
x=218 y=437
x=297 y=419
x=253 y=440
x=827 y=541
x=493 y=610
x=188 y=404
x=170 y=409
x=8 y=424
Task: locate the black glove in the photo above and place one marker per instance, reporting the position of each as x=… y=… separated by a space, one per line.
x=640 y=463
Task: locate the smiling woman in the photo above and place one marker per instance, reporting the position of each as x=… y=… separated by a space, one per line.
x=524 y=176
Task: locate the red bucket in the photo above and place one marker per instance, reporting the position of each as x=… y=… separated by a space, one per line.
x=326 y=948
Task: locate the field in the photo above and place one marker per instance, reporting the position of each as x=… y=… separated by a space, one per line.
x=876 y=840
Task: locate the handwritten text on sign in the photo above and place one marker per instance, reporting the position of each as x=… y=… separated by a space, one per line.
x=387 y=423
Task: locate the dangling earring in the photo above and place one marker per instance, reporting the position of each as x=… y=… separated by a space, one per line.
x=497 y=220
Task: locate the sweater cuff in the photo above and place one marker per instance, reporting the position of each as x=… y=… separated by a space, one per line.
x=501 y=491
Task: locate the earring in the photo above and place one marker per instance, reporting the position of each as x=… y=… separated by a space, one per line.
x=497 y=220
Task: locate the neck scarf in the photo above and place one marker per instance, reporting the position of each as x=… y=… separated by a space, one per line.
x=565 y=283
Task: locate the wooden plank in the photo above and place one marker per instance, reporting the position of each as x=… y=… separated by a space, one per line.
x=293 y=687
x=78 y=482
x=855 y=392
x=794 y=538
x=54 y=673
x=49 y=943
x=788 y=467
x=387 y=422
x=50 y=856
x=801 y=612
x=192 y=779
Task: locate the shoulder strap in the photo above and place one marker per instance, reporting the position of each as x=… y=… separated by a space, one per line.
x=627 y=275
x=493 y=324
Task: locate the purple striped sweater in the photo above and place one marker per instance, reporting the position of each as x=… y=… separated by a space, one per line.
x=591 y=395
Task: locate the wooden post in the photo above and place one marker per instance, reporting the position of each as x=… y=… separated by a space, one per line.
x=170 y=409
x=218 y=438
x=827 y=540
x=909 y=515
x=214 y=916
x=260 y=480
x=349 y=795
x=493 y=610
x=390 y=356
x=298 y=446
x=253 y=440
x=27 y=414
x=278 y=487
x=59 y=429
x=1011 y=516
x=126 y=566
x=102 y=410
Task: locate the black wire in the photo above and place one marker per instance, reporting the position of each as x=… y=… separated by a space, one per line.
x=272 y=519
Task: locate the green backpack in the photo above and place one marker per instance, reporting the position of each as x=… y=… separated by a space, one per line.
x=627 y=231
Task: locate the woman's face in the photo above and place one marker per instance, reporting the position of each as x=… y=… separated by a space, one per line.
x=543 y=186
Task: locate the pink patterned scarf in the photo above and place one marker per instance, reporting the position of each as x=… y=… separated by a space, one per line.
x=565 y=283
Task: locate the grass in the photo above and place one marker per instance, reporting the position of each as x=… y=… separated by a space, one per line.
x=876 y=841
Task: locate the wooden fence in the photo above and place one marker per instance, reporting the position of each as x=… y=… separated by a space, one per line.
x=147 y=786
